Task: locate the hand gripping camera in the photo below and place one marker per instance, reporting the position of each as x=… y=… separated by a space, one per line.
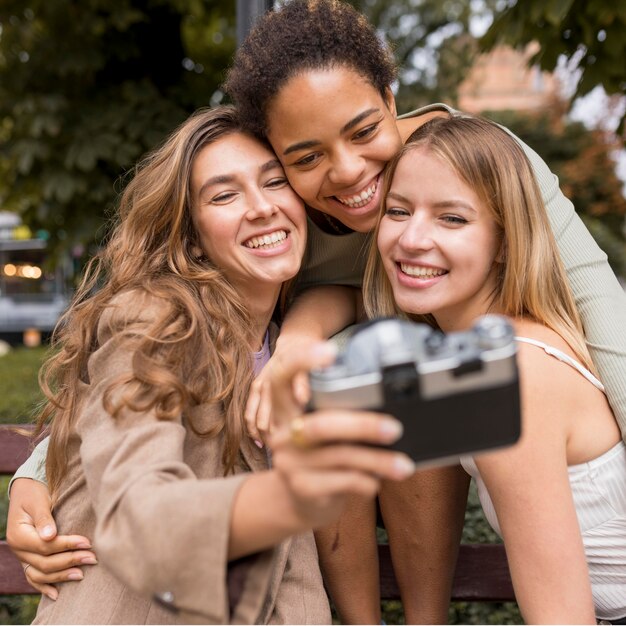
x=455 y=394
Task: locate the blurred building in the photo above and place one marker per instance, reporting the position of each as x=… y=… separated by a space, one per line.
x=502 y=80
x=33 y=292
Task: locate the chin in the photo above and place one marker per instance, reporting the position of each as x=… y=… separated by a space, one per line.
x=365 y=224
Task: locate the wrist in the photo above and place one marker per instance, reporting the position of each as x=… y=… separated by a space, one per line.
x=288 y=339
x=264 y=514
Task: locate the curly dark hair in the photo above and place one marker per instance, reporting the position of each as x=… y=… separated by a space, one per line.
x=303 y=35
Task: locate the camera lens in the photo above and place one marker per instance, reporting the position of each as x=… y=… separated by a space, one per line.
x=434 y=342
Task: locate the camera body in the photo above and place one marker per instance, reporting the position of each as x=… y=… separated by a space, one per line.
x=455 y=394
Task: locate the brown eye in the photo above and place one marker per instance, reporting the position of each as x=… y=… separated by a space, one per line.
x=309 y=159
x=221 y=198
x=275 y=183
x=366 y=132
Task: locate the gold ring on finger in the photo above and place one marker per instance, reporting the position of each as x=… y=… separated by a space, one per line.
x=297 y=433
x=26 y=567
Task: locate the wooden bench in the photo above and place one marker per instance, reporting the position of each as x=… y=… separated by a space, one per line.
x=482 y=572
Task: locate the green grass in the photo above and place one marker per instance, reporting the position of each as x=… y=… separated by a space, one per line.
x=19 y=390
x=20 y=394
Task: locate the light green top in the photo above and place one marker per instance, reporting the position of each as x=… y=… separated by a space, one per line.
x=35 y=465
x=601 y=301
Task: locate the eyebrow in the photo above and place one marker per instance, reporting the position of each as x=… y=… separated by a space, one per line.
x=438 y=205
x=397 y=196
x=270 y=165
x=311 y=143
x=229 y=178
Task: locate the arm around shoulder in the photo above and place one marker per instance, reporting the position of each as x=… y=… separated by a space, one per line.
x=600 y=299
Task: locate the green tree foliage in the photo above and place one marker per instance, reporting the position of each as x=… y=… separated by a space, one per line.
x=87 y=87
x=582 y=160
x=591 y=31
x=432 y=42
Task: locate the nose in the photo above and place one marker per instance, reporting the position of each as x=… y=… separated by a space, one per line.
x=418 y=235
x=346 y=166
x=260 y=205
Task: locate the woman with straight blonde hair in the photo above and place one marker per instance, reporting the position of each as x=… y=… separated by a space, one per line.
x=146 y=390
x=463 y=232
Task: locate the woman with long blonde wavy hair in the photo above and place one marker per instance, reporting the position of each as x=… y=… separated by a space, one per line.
x=463 y=232
x=152 y=365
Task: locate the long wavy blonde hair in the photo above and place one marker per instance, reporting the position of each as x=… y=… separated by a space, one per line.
x=531 y=281
x=153 y=249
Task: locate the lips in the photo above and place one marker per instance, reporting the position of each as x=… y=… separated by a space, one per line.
x=268 y=240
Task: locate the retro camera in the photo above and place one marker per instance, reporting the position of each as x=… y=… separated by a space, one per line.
x=455 y=393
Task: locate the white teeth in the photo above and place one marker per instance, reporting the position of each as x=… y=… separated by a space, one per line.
x=421 y=272
x=359 y=199
x=265 y=241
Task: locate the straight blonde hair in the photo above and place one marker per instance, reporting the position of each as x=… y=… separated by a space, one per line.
x=531 y=281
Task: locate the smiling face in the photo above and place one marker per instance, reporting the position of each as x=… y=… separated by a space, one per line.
x=249 y=221
x=334 y=133
x=438 y=243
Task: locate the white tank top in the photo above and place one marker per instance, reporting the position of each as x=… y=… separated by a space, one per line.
x=599 y=491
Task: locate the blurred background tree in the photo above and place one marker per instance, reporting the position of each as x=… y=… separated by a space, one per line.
x=590 y=34
x=87 y=87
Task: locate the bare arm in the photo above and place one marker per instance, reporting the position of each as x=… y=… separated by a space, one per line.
x=530 y=490
x=319 y=313
x=316 y=314
x=310 y=483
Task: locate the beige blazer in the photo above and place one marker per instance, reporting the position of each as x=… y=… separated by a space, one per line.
x=152 y=496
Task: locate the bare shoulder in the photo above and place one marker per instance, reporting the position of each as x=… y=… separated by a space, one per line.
x=550 y=388
x=539 y=332
x=545 y=396
x=538 y=367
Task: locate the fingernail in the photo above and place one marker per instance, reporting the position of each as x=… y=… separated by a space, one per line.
x=258 y=444
x=47 y=531
x=391 y=429
x=89 y=560
x=75 y=576
x=403 y=466
x=83 y=545
x=53 y=595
